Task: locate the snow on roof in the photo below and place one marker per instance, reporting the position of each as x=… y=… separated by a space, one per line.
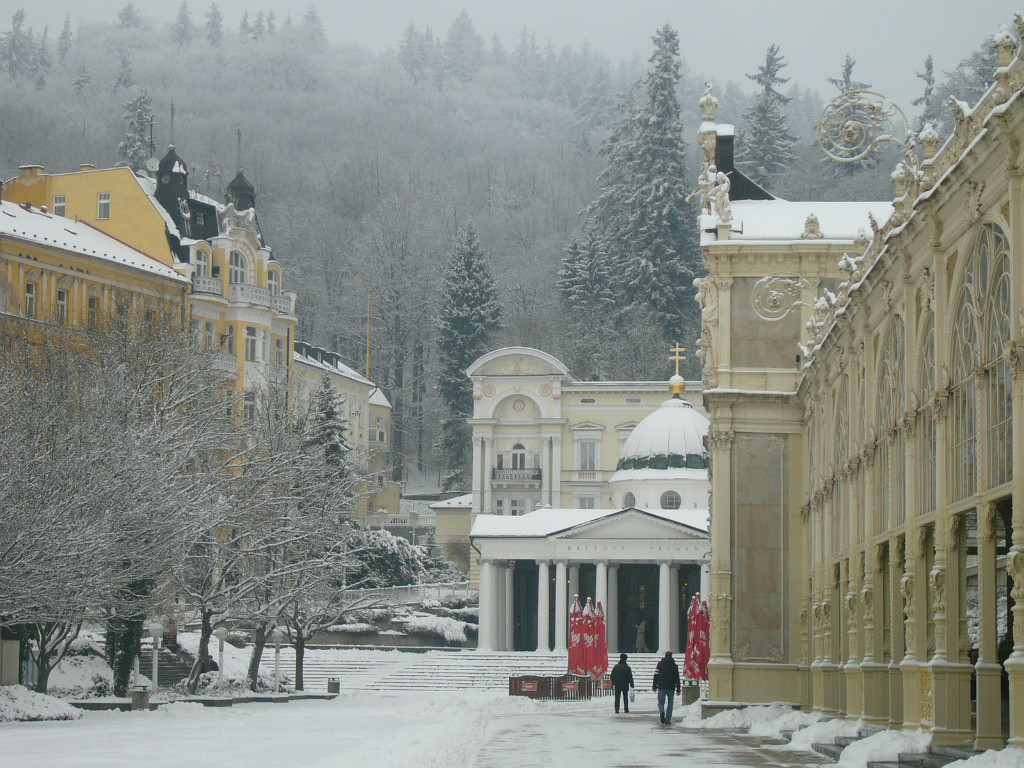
x=31 y=224
x=341 y=368
x=377 y=397
x=648 y=473
x=546 y=522
x=675 y=429
x=785 y=220
x=456 y=502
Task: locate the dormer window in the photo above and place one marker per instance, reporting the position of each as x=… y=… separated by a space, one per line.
x=273 y=283
x=239 y=268
x=202 y=264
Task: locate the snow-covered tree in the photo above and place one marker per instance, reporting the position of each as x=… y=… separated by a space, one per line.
x=765 y=143
x=845 y=82
x=313 y=26
x=17 y=48
x=82 y=78
x=124 y=77
x=65 y=40
x=926 y=101
x=463 y=48
x=183 y=30
x=244 y=27
x=468 y=318
x=214 y=26
x=271 y=22
x=138 y=116
x=259 y=26
x=412 y=52
x=129 y=18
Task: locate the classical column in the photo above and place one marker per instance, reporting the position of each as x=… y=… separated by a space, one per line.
x=989 y=733
x=1015 y=557
x=601 y=585
x=720 y=593
x=485 y=633
x=545 y=471
x=664 y=607
x=673 y=596
x=543 y=607
x=611 y=610
x=509 y=605
x=561 y=614
x=488 y=502
x=705 y=580
x=498 y=615
x=897 y=563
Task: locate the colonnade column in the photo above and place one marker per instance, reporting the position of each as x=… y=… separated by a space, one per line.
x=543 y=606
x=560 y=607
x=509 y=605
x=664 y=607
x=601 y=586
x=673 y=614
x=498 y=614
x=611 y=611
x=488 y=471
x=485 y=634
x=574 y=580
x=989 y=734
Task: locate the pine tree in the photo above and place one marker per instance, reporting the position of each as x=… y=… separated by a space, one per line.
x=125 y=75
x=927 y=101
x=138 y=115
x=129 y=18
x=463 y=48
x=766 y=145
x=182 y=30
x=845 y=82
x=271 y=23
x=584 y=279
x=82 y=78
x=258 y=26
x=214 y=28
x=65 y=40
x=17 y=48
x=313 y=26
x=324 y=428
x=43 y=62
x=469 y=317
x=244 y=28
x=411 y=52
x=499 y=55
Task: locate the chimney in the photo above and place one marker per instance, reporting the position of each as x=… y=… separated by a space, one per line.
x=86 y=167
x=724 y=159
x=29 y=173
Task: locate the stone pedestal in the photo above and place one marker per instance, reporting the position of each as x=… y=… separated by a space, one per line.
x=875 y=693
x=1015 y=669
x=951 y=704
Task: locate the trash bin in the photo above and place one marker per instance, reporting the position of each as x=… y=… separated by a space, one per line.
x=333 y=685
x=140 y=697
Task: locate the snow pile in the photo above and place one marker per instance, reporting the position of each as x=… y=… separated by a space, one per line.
x=85 y=677
x=884 y=746
x=747 y=717
x=450 y=630
x=358 y=628
x=824 y=732
x=19 y=703
x=794 y=720
x=236 y=662
x=1011 y=757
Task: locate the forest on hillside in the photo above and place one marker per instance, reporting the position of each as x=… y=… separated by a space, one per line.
x=369 y=165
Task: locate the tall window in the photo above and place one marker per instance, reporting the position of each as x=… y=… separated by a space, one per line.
x=518 y=456
x=93 y=317
x=274 y=283
x=926 y=420
x=587 y=502
x=963 y=417
x=103 y=205
x=840 y=450
x=517 y=506
x=60 y=205
x=211 y=336
x=891 y=458
x=998 y=383
x=239 y=268
x=202 y=264
x=62 y=307
x=30 y=300
x=588 y=456
x=279 y=352
x=250 y=343
x=229 y=340
x=249 y=406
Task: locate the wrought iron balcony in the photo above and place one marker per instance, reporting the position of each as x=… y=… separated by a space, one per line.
x=516 y=475
x=203 y=284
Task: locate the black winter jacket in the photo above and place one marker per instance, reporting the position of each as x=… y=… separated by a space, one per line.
x=622 y=676
x=668 y=675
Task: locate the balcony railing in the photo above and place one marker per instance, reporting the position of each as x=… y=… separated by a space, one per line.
x=250 y=294
x=517 y=475
x=378 y=436
x=586 y=475
x=202 y=284
x=284 y=303
x=225 y=363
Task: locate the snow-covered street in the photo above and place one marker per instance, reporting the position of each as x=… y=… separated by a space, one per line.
x=450 y=730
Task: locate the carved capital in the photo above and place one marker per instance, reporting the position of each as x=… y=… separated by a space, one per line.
x=987 y=521
x=721 y=439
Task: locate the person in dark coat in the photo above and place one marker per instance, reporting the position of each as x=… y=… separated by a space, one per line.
x=667 y=684
x=622 y=679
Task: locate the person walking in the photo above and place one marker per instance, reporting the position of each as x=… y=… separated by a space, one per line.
x=667 y=684
x=622 y=679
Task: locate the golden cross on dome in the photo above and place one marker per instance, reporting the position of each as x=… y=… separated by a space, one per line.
x=677 y=356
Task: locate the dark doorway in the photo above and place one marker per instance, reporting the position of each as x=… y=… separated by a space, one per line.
x=689 y=585
x=638 y=602
x=524 y=610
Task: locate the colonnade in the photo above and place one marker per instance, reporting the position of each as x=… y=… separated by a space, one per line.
x=497 y=603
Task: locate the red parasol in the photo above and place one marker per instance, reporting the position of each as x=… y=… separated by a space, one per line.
x=576 y=649
x=599 y=661
x=589 y=636
x=698 y=647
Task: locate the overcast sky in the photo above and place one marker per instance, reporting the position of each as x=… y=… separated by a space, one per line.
x=723 y=40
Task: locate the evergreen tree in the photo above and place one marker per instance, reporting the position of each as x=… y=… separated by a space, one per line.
x=258 y=26
x=182 y=30
x=125 y=75
x=43 y=61
x=129 y=18
x=325 y=426
x=65 y=40
x=244 y=28
x=271 y=23
x=214 y=28
x=584 y=279
x=412 y=52
x=845 y=82
x=929 y=111
x=968 y=81
x=463 y=48
x=82 y=78
x=313 y=26
x=468 y=318
x=766 y=146
x=17 y=49
x=499 y=55
x=138 y=115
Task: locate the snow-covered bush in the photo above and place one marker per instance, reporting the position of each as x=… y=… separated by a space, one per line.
x=19 y=703
x=354 y=629
x=458 y=600
x=238 y=639
x=449 y=630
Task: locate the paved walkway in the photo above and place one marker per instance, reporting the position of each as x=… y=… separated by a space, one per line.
x=635 y=740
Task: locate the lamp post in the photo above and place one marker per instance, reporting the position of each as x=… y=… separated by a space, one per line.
x=156 y=631
x=221 y=633
x=276 y=637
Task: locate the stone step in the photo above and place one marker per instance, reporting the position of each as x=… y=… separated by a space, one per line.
x=828 y=750
x=924 y=760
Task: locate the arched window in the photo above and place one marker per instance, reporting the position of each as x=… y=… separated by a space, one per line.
x=202 y=263
x=926 y=419
x=274 y=282
x=841 y=521
x=963 y=417
x=994 y=252
x=239 y=268
x=518 y=456
x=890 y=461
x=628 y=500
x=671 y=500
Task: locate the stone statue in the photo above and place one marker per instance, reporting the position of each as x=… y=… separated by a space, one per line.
x=705 y=184
x=641 y=637
x=721 y=206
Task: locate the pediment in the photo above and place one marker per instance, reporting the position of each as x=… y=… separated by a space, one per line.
x=587 y=425
x=632 y=524
x=517 y=361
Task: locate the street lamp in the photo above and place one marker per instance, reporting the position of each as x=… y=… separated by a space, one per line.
x=156 y=631
x=276 y=637
x=221 y=633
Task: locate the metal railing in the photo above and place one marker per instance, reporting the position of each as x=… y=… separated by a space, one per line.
x=517 y=475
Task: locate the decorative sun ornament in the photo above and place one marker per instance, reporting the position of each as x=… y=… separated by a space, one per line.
x=855 y=123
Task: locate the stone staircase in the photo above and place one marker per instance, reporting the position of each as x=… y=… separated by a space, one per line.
x=434 y=670
x=172 y=668
x=935 y=758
